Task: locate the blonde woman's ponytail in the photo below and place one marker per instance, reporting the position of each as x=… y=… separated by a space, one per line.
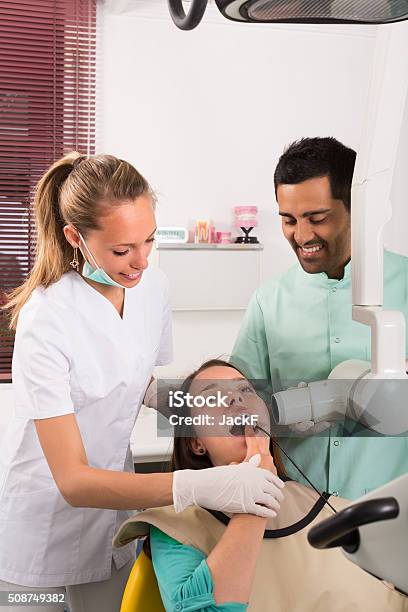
x=53 y=252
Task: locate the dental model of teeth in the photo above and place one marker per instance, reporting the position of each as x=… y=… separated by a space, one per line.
x=245 y=218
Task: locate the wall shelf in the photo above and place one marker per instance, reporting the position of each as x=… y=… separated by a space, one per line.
x=191 y=246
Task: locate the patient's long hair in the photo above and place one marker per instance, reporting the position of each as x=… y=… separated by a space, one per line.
x=183 y=456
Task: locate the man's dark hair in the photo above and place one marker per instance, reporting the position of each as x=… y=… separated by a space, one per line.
x=314 y=157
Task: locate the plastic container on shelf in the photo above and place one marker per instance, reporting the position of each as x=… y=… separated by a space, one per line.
x=224 y=237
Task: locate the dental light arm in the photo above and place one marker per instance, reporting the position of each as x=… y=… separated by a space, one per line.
x=371 y=200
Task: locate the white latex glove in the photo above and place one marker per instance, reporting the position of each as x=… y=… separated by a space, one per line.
x=238 y=488
x=309 y=428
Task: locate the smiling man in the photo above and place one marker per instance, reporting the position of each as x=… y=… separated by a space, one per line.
x=299 y=325
x=317 y=225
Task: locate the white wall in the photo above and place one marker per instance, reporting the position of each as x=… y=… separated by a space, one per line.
x=206 y=114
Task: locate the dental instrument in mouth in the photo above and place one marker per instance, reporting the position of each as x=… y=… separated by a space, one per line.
x=239 y=430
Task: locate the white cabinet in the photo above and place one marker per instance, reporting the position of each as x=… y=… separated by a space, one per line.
x=210 y=277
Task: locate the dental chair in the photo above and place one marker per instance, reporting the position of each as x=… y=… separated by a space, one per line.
x=142 y=591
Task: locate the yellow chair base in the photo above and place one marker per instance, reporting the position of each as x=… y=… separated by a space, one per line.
x=142 y=591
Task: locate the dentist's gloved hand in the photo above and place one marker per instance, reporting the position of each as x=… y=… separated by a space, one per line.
x=242 y=488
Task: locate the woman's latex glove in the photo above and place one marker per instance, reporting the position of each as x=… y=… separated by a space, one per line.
x=241 y=488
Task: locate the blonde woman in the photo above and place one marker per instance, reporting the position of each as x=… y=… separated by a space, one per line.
x=92 y=321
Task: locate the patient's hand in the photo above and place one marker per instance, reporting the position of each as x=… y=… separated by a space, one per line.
x=258 y=445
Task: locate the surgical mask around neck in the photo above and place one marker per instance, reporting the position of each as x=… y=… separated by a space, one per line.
x=96 y=274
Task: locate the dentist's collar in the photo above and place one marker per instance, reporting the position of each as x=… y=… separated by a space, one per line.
x=321 y=277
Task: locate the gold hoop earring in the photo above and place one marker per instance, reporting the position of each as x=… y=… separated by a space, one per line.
x=75 y=262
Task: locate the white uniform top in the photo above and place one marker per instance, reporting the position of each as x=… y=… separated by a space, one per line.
x=73 y=353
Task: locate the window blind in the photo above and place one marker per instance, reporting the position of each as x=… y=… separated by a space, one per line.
x=47 y=108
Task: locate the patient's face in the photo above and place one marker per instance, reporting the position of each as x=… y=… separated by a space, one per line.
x=239 y=398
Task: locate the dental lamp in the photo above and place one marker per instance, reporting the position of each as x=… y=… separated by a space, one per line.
x=292 y=11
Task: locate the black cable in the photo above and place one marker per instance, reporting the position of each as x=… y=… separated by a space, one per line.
x=296 y=466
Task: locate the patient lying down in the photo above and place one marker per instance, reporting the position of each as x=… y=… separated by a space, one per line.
x=205 y=560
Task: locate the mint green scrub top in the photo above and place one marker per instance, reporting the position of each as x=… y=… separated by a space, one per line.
x=184 y=578
x=298 y=327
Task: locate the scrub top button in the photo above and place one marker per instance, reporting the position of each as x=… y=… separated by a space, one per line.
x=177 y=606
x=335 y=493
x=334 y=290
x=337 y=339
x=336 y=442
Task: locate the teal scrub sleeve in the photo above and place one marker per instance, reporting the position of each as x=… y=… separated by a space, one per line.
x=184 y=578
x=250 y=353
